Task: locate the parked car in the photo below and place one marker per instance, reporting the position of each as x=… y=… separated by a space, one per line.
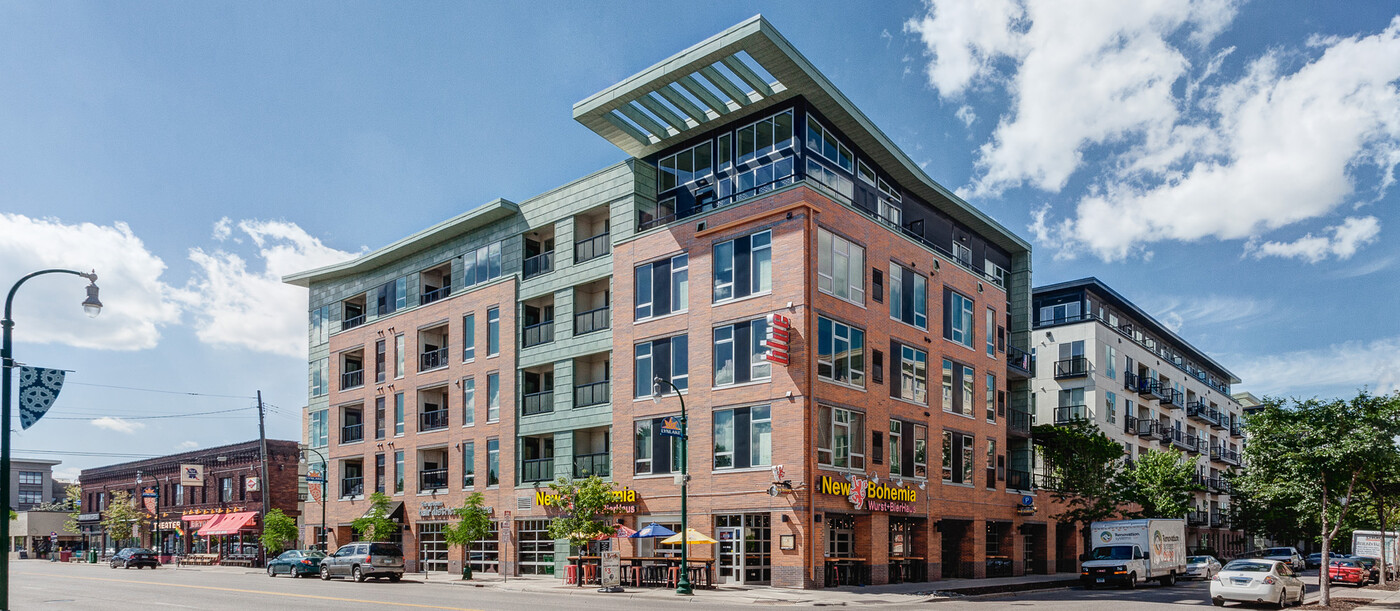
x=1256 y=581
x=1348 y=570
x=360 y=561
x=296 y=562
x=1313 y=561
x=1373 y=567
x=1202 y=567
x=1289 y=555
x=134 y=556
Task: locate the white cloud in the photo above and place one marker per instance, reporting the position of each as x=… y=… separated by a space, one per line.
x=1339 y=368
x=137 y=304
x=966 y=115
x=238 y=307
x=67 y=474
x=1210 y=310
x=186 y=445
x=119 y=425
x=223 y=229
x=1346 y=239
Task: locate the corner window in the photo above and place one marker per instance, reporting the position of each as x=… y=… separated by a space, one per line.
x=957 y=317
x=743 y=438
x=823 y=141
x=321 y=377
x=840 y=267
x=908 y=297
x=481 y=265
x=654 y=453
x=840 y=438
x=318 y=430
x=913 y=374
x=392 y=296
x=739 y=353
x=764 y=136
x=683 y=167
x=320 y=325
x=662 y=287
x=666 y=358
x=744 y=266
x=840 y=353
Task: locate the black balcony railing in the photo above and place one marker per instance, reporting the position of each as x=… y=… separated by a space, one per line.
x=352 y=322
x=588 y=249
x=592 y=320
x=432 y=359
x=1149 y=387
x=1216 y=519
x=352 y=486
x=538 y=470
x=432 y=479
x=596 y=393
x=592 y=464
x=1193 y=444
x=1073 y=367
x=537 y=334
x=1171 y=397
x=1066 y=414
x=1197 y=518
x=432 y=420
x=1178 y=438
x=1019 y=421
x=433 y=295
x=1198 y=411
x=1215 y=484
x=351 y=433
x=1236 y=430
x=1130 y=381
x=1018 y=480
x=1146 y=427
x=539 y=264
x=352 y=379
x=1217 y=420
x=537 y=403
x=1019 y=361
x=1130 y=425
x=1230 y=456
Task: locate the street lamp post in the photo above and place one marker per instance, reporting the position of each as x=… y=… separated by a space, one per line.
x=90 y=305
x=683 y=587
x=322 y=538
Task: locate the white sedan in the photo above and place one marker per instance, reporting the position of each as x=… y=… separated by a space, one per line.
x=1202 y=567
x=1256 y=580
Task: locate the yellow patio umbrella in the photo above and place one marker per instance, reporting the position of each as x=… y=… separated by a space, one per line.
x=692 y=537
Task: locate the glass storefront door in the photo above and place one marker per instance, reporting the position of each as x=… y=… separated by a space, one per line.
x=745 y=548
x=730 y=568
x=432 y=547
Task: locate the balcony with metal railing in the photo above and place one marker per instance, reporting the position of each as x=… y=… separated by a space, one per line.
x=537 y=334
x=352 y=322
x=1017 y=479
x=1073 y=367
x=542 y=263
x=1146 y=427
x=432 y=295
x=1215 y=484
x=537 y=470
x=1197 y=518
x=1193 y=444
x=1236 y=430
x=1217 y=519
x=1018 y=422
x=352 y=487
x=1020 y=364
x=1130 y=381
x=1178 y=438
x=432 y=359
x=1171 y=397
x=1199 y=411
x=352 y=379
x=599 y=464
x=596 y=319
x=1230 y=456
x=1130 y=425
x=432 y=420
x=534 y=403
x=352 y=433
x=596 y=393
x=1149 y=387
x=1217 y=420
x=1066 y=414
x=432 y=480
x=588 y=249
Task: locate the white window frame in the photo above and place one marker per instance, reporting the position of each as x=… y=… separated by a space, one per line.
x=678 y=285
x=831 y=250
x=960 y=327
x=913 y=380
x=759 y=282
x=841 y=331
x=853 y=423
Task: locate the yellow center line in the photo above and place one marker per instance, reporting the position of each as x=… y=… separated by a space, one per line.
x=287 y=594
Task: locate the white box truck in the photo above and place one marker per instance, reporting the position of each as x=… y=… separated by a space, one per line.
x=1125 y=552
x=1368 y=544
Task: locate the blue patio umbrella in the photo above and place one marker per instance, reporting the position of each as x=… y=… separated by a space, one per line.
x=652 y=530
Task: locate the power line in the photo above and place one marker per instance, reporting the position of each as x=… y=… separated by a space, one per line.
x=190 y=415
x=167 y=392
x=79 y=453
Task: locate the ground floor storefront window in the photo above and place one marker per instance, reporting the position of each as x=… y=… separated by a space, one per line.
x=432 y=547
x=842 y=566
x=536 y=547
x=998 y=549
x=745 y=548
x=485 y=554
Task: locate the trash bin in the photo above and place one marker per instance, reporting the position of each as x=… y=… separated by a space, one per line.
x=65 y=556
x=92 y=556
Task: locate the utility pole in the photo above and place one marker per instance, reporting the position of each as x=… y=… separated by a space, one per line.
x=264 y=488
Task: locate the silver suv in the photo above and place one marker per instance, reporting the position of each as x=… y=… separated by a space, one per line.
x=360 y=561
x=1286 y=555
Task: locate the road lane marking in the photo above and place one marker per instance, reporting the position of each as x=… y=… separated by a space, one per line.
x=242 y=591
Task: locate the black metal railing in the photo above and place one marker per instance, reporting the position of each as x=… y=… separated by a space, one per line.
x=1217 y=419
x=539 y=264
x=1146 y=427
x=537 y=470
x=1198 y=411
x=1157 y=389
x=1020 y=361
x=1130 y=381
x=1018 y=480
x=352 y=379
x=1019 y=421
x=1066 y=414
x=1073 y=367
x=352 y=322
x=588 y=249
x=592 y=320
x=1130 y=425
x=432 y=359
x=1178 y=437
x=537 y=403
x=596 y=393
x=351 y=433
x=1216 y=519
x=1236 y=430
x=432 y=420
x=593 y=464
x=1215 y=484
x=432 y=479
x=352 y=486
x=537 y=334
x=1171 y=397
x=1230 y=456
x=434 y=295
x=1197 y=518
x=1193 y=444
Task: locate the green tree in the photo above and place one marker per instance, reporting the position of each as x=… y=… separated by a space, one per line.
x=1081 y=471
x=473 y=524
x=1161 y=483
x=122 y=520
x=1314 y=455
x=583 y=515
x=376 y=525
x=279 y=529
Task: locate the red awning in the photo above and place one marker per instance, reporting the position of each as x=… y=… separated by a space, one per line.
x=227 y=524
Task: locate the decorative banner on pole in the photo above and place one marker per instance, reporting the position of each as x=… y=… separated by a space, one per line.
x=38 y=388
x=315 y=492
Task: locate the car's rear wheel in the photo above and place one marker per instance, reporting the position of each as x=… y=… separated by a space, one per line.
x=325 y=573
x=1219 y=602
x=357 y=574
x=269 y=571
x=1302 y=593
x=395 y=577
x=1282 y=604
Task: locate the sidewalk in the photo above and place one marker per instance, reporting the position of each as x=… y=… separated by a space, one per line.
x=905 y=593
x=1391 y=600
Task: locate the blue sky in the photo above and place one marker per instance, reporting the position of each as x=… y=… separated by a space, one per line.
x=1226 y=165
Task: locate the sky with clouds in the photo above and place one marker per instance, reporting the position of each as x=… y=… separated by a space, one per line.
x=1229 y=166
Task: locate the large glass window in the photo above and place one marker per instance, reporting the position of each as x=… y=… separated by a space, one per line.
x=493 y=462
x=913 y=374
x=318 y=430
x=684 y=167
x=468 y=464
x=469 y=337
x=666 y=358
x=957 y=458
x=991 y=332
x=840 y=438
x=957 y=317
x=824 y=142
x=379 y=417
x=840 y=267
x=655 y=453
x=481 y=265
x=743 y=438
x=739 y=353
x=399 y=472
x=321 y=377
x=908 y=296
x=840 y=352
x=764 y=136
x=469 y=402
x=493 y=397
x=398 y=413
x=991 y=398
x=1111 y=361
x=757 y=180
x=391 y=296
x=744 y=266
x=908 y=449
x=398 y=355
x=991 y=463
x=493 y=332
x=663 y=287
x=957 y=388
x=380 y=350
x=320 y=325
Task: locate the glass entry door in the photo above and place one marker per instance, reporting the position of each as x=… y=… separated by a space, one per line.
x=730 y=567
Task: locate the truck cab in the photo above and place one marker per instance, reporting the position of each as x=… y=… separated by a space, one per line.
x=1114 y=565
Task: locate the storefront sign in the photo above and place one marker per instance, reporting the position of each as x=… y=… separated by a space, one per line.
x=192 y=475
x=89 y=517
x=877 y=497
x=778 y=339
x=622 y=501
x=1027 y=506
x=252 y=484
x=170 y=525
x=433 y=509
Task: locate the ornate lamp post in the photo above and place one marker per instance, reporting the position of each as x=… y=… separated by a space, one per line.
x=683 y=587
x=93 y=307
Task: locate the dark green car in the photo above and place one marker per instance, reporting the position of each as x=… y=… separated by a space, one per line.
x=297 y=563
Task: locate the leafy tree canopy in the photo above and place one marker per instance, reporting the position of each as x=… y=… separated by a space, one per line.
x=279 y=529
x=375 y=525
x=582 y=503
x=1082 y=466
x=1160 y=483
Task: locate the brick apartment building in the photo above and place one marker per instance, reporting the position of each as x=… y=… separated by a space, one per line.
x=232 y=489
x=516 y=343
x=1105 y=360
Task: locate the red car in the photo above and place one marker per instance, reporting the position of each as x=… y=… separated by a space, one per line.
x=1348 y=571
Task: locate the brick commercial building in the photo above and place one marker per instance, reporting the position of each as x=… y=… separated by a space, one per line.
x=226 y=491
x=516 y=343
x=1105 y=360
